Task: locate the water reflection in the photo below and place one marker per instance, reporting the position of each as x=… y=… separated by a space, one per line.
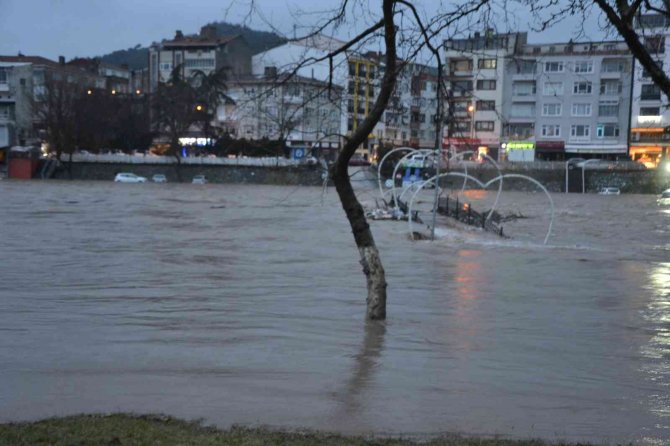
x=657 y=350
x=366 y=362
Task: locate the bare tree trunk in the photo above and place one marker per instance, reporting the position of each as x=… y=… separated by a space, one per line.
x=370 y=259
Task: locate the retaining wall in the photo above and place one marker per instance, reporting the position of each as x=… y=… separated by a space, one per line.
x=289 y=175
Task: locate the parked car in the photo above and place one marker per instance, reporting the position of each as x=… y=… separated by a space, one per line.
x=665 y=193
x=199 y=179
x=126 y=177
x=609 y=190
x=159 y=178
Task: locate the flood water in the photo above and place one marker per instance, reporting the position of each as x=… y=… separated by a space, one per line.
x=245 y=304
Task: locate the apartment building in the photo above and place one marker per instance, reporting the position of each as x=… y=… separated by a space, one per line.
x=206 y=52
x=304 y=111
x=565 y=100
x=409 y=119
x=23 y=84
x=475 y=72
x=650 y=116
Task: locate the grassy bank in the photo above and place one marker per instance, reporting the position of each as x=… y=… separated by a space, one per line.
x=131 y=430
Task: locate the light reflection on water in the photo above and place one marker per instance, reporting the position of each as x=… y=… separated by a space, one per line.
x=245 y=305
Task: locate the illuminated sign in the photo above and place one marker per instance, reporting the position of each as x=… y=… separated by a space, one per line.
x=520 y=145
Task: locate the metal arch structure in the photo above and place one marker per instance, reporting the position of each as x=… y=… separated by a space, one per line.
x=485 y=186
x=426 y=152
x=379 y=166
x=541 y=186
x=435 y=180
x=465 y=180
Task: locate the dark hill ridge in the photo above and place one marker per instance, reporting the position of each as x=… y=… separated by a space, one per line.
x=136 y=58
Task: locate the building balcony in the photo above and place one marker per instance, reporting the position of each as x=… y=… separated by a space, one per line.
x=524 y=77
x=610 y=75
x=524 y=98
x=460 y=73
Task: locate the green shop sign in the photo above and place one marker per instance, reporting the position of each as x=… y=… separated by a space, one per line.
x=518 y=145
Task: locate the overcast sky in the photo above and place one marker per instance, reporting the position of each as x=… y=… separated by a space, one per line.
x=94 y=27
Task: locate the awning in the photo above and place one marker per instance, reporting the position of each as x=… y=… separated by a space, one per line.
x=602 y=148
x=550 y=146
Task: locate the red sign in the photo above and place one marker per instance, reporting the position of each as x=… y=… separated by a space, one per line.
x=550 y=146
x=461 y=142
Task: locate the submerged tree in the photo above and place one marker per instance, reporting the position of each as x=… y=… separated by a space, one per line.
x=400 y=24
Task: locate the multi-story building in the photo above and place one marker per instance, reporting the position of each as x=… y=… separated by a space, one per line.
x=566 y=100
x=650 y=115
x=23 y=82
x=303 y=111
x=206 y=52
x=409 y=119
x=112 y=78
x=475 y=69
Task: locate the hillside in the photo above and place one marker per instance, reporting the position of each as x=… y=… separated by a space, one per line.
x=137 y=57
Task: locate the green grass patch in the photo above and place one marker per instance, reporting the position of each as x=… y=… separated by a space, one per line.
x=135 y=430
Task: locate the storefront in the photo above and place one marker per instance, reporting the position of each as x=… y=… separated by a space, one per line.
x=519 y=151
x=649 y=145
x=550 y=150
x=596 y=150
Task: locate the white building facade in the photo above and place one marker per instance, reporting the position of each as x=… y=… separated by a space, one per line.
x=567 y=100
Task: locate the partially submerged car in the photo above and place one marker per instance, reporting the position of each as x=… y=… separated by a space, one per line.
x=127 y=177
x=199 y=179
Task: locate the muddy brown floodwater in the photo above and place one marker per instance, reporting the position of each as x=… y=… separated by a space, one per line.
x=245 y=304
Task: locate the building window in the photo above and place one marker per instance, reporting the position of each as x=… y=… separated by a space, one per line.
x=4 y=76
x=607 y=131
x=551 y=130
x=553 y=88
x=166 y=66
x=462 y=126
x=522 y=110
x=462 y=86
x=486 y=105
x=650 y=111
x=650 y=92
x=581 y=109
x=199 y=63
x=523 y=88
x=608 y=108
x=655 y=44
x=580 y=131
x=525 y=66
x=487 y=63
x=612 y=66
x=584 y=67
x=485 y=126
x=552 y=109
x=485 y=84
x=553 y=67
x=611 y=87
x=582 y=87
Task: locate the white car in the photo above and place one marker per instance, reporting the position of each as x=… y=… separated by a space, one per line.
x=129 y=178
x=199 y=179
x=609 y=190
x=159 y=178
x=665 y=193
